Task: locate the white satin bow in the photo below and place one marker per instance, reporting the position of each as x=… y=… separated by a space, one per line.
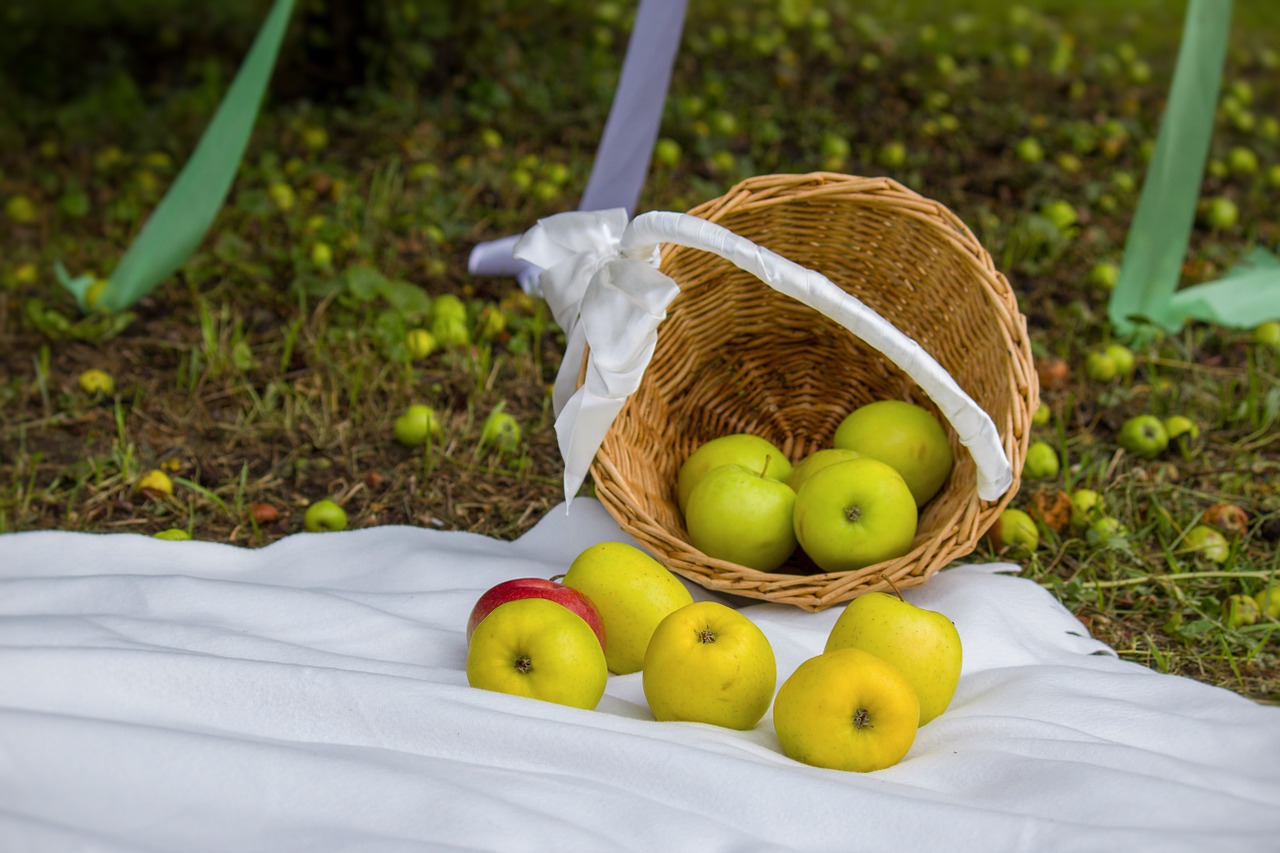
x=609 y=303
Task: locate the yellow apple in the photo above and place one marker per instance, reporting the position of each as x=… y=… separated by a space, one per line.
x=853 y=514
x=815 y=462
x=736 y=449
x=540 y=649
x=708 y=663
x=903 y=435
x=923 y=644
x=846 y=710
x=633 y=593
x=736 y=514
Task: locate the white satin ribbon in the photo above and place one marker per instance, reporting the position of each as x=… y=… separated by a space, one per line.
x=602 y=284
x=609 y=304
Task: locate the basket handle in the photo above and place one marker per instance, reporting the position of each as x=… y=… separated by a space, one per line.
x=601 y=281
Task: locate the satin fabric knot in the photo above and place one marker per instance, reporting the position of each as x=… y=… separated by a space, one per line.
x=609 y=302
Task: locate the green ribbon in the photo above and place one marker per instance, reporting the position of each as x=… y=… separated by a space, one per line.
x=1147 y=289
x=187 y=211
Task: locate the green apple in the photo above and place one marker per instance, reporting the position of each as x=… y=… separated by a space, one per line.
x=903 y=435
x=815 y=462
x=1209 y=543
x=1100 y=367
x=1105 y=531
x=1144 y=436
x=1086 y=505
x=923 y=644
x=1041 y=462
x=1219 y=213
x=174 y=534
x=1268 y=601
x=324 y=515
x=1122 y=357
x=853 y=514
x=1241 y=610
x=1104 y=274
x=1040 y=417
x=1014 y=534
x=420 y=342
x=1062 y=214
x=741 y=448
x=846 y=710
x=418 y=424
x=633 y=593
x=1029 y=150
x=501 y=431
x=1268 y=335
x=742 y=516
x=448 y=306
x=539 y=649
x=155 y=481
x=708 y=663
x=1181 y=427
x=96 y=381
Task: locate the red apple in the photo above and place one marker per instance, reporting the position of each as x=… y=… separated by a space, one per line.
x=536 y=588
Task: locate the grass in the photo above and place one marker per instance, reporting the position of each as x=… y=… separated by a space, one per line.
x=267 y=374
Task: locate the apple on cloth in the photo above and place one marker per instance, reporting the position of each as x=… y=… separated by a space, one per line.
x=312 y=694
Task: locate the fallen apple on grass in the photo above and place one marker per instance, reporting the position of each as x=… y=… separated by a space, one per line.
x=1144 y=436
x=1014 y=534
x=1041 y=462
x=846 y=710
x=1207 y=542
x=324 y=516
x=418 y=424
x=518 y=588
x=95 y=381
x=539 y=649
x=923 y=644
x=155 y=482
x=708 y=663
x=1241 y=610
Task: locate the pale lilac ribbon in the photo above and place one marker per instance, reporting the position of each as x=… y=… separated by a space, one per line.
x=626 y=146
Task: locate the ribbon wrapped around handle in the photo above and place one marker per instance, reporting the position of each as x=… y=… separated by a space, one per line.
x=603 y=286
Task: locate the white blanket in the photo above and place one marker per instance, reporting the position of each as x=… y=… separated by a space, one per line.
x=311 y=695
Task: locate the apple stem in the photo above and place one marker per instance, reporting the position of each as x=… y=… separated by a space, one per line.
x=862 y=719
x=893 y=586
x=765 y=469
x=556 y=578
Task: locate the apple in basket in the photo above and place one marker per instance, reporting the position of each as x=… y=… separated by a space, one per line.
x=846 y=710
x=539 y=649
x=903 y=435
x=708 y=663
x=514 y=590
x=742 y=515
x=744 y=449
x=923 y=644
x=855 y=513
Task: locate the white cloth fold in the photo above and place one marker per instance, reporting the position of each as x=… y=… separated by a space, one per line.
x=311 y=695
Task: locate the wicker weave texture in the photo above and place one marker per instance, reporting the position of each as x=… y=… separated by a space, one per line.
x=734 y=355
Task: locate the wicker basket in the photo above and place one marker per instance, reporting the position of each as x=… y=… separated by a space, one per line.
x=733 y=355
